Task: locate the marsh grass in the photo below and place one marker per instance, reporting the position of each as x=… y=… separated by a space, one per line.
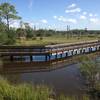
x=23 y=91
x=30 y=92
x=52 y=40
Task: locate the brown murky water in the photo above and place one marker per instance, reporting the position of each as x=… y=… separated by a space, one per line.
x=63 y=76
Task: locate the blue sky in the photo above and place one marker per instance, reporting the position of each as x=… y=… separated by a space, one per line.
x=57 y=14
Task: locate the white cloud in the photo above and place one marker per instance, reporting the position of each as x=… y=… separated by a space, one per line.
x=63 y=19
x=31 y=24
x=73 y=10
x=95 y=15
x=91 y=15
x=49 y=27
x=55 y=17
x=15 y=24
x=30 y=4
x=82 y=17
x=84 y=13
x=44 y=21
x=94 y=20
x=72 y=5
x=74 y=21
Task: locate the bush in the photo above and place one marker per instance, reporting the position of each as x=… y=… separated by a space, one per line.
x=34 y=38
x=41 y=38
x=3 y=38
x=7 y=37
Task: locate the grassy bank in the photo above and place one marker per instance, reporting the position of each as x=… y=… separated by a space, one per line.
x=30 y=92
x=53 y=40
x=23 y=92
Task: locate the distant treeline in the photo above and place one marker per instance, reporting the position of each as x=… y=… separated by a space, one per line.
x=29 y=32
x=9 y=37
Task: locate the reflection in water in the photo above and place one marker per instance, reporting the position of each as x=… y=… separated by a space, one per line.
x=64 y=80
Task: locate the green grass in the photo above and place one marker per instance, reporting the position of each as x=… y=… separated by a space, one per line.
x=23 y=92
x=53 y=40
x=30 y=92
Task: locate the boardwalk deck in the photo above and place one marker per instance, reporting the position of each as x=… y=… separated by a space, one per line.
x=50 y=50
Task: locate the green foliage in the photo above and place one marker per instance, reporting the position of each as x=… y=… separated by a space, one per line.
x=3 y=27
x=91 y=71
x=8 y=12
x=3 y=38
x=40 y=33
x=34 y=38
x=20 y=33
x=7 y=38
x=11 y=37
x=41 y=38
x=29 y=33
x=25 y=32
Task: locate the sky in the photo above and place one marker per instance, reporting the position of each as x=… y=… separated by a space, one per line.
x=57 y=14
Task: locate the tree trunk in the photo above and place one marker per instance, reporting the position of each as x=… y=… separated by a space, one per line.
x=7 y=22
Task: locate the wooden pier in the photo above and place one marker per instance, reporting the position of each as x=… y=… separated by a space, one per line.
x=29 y=67
x=49 y=52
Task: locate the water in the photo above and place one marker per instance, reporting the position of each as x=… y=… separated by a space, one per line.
x=66 y=80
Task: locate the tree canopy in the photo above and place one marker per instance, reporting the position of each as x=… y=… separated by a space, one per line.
x=8 y=13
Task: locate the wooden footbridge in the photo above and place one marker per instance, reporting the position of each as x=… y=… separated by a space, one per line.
x=49 y=52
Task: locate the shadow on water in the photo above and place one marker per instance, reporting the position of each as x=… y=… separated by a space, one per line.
x=62 y=75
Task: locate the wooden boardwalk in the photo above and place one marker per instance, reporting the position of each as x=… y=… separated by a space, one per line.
x=28 y=67
x=49 y=51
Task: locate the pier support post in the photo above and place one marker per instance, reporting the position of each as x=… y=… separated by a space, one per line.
x=56 y=56
x=80 y=51
x=31 y=58
x=75 y=52
x=96 y=48
x=99 y=48
x=46 y=58
x=90 y=49
x=66 y=54
x=72 y=52
x=83 y=51
x=11 y=58
x=49 y=57
x=61 y=55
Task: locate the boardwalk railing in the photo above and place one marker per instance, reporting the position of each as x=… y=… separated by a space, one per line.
x=58 y=50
